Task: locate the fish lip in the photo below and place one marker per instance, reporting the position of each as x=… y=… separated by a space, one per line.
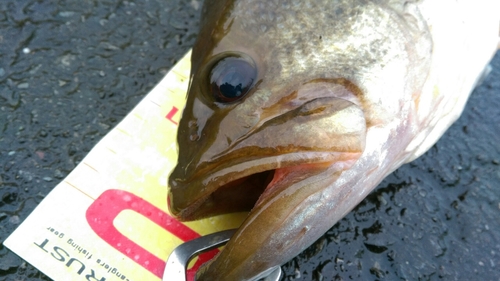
x=276 y=162
x=205 y=187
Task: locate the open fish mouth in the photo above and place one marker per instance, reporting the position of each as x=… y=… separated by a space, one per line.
x=243 y=186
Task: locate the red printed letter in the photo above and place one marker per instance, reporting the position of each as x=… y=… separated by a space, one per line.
x=171 y=114
x=105 y=209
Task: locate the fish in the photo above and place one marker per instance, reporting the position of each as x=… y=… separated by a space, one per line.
x=297 y=110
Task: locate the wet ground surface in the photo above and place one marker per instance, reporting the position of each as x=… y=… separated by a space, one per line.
x=71 y=70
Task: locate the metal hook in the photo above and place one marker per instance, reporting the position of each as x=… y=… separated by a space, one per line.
x=178 y=260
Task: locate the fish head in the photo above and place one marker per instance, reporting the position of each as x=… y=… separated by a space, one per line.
x=284 y=114
x=280 y=102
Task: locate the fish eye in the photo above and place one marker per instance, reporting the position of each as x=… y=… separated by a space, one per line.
x=231 y=78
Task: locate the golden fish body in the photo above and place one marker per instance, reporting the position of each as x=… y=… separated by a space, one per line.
x=325 y=99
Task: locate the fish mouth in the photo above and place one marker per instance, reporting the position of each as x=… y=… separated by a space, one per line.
x=326 y=133
x=243 y=186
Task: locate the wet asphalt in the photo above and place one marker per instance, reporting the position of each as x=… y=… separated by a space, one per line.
x=71 y=70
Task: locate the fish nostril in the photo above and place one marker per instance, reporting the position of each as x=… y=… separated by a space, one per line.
x=194 y=137
x=193 y=128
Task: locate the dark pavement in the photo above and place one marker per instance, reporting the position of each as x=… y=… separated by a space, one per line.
x=71 y=70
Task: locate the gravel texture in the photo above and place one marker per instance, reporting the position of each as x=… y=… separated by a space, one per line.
x=71 y=70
